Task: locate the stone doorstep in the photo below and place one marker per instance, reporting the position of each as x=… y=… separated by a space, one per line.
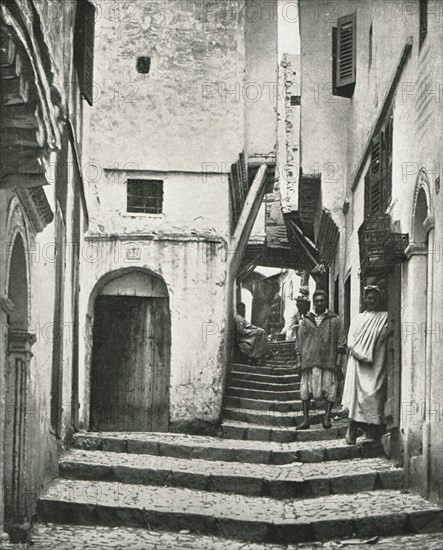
x=256 y=519
x=226 y=450
x=263 y=394
x=265 y=386
x=279 y=482
x=251 y=432
x=260 y=404
x=78 y=537
x=264 y=378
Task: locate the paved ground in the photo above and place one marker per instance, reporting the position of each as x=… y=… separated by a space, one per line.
x=67 y=537
x=262 y=483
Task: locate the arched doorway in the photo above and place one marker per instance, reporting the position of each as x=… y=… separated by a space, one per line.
x=16 y=382
x=417 y=337
x=130 y=366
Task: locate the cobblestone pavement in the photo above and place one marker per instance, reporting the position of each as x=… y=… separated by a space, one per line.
x=67 y=537
x=256 y=512
x=296 y=471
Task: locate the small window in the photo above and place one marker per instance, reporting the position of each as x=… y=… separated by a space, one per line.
x=145 y=196
x=84 y=47
x=344 y=56
x=295 y=100
x=423 y=21
x=143 y=65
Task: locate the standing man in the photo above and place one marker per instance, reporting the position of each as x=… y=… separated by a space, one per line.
x=295 y=316
x=319 y=352
x=364 y=393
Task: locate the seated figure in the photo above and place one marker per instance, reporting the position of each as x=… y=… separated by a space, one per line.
x=252 y=341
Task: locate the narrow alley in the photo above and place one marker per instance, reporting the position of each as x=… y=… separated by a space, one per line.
x=221 y=288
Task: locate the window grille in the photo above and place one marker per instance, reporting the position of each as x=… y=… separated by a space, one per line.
x=145 y=196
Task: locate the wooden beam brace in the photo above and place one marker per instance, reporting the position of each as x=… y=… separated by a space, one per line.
x=247 y=218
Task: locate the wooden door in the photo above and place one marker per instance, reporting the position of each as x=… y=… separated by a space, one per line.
x=393 y=350
x=130 y=364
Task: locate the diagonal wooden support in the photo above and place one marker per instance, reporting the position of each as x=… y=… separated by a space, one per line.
x=247 y=218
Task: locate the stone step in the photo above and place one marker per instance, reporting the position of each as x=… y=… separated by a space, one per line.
x=267 y=395
x=252 y=432
x=281 y=358
x=296 y=480
x=261 y=404
x=51 y=536
x=272 y=378
x=225 y=450
x=281 y=344
x=258 y=369
x=257 y=519
x=266 y=386
x=270 y=418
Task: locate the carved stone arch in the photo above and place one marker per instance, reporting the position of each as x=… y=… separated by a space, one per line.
x=117 y=274
x=17 y=227
x=422 y=200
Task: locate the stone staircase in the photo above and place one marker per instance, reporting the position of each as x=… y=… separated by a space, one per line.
x=262 y=482
x=263 y=403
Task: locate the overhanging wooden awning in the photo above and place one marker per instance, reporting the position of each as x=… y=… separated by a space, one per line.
x=327 y=238
x=309 y=202
x=302 y=246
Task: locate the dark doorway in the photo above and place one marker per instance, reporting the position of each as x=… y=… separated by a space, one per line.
x=130 y=364
x=16 y=383
x=347 y=305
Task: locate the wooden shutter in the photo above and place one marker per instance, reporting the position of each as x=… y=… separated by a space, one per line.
x=387 y=135
x=375 y=192
x=367 y=205
x=344 y=56
x=84 y=47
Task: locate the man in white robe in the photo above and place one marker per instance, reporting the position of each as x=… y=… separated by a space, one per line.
x=364 y=393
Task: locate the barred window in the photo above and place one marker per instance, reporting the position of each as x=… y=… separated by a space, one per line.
x=145 y=196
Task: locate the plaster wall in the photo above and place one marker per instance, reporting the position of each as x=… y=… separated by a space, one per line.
x=324 y=117
x=194 y=271
x=191 y=202
x=260 y=88
x=182 y=115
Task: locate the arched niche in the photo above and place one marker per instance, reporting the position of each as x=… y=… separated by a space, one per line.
x=18 y=286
